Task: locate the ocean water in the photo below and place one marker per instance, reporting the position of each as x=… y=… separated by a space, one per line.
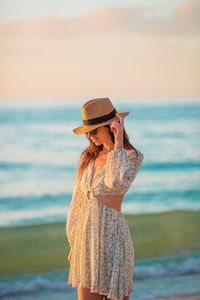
x=38 y=160
x=39 y=157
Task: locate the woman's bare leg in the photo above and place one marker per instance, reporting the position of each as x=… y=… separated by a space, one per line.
x=85 y=294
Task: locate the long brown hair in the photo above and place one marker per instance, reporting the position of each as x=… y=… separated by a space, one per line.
x=92 y=151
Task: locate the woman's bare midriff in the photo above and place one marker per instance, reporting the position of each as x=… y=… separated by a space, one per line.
x=113 y=201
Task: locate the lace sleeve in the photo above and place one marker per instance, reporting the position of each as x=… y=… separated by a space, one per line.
x=122 y=167
x=74 y=210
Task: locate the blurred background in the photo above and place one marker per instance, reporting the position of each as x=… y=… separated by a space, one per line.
x=54 y=56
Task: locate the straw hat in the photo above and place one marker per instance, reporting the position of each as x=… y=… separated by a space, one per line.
x=98 y=112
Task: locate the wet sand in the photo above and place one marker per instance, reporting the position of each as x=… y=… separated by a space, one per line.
x=44 y=247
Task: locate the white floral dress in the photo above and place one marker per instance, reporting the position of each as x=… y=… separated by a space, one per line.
x=102 y=248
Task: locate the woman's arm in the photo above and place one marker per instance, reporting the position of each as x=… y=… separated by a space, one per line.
x=122 y=167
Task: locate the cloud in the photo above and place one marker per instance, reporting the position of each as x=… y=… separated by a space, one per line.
x=50 y=26
x=186 y=17
x=142 y=19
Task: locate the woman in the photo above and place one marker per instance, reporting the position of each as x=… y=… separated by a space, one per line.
x=102 y=252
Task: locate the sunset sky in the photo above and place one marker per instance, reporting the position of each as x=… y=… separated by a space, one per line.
x=124 y=49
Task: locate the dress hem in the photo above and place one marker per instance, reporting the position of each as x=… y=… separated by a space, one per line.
x=100 y=293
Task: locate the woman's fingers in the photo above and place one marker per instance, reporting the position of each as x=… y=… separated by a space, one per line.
x=120 y=125
x=121 y=119
x=117 y=126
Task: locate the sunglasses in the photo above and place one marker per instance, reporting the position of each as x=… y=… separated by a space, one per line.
x=93 y=132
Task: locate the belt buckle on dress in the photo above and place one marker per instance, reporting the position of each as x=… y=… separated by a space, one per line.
x=90 y=195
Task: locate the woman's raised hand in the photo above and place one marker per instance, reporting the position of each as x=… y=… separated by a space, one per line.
x=118 y=128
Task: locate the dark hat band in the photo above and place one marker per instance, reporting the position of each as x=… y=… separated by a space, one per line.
x=100 y=119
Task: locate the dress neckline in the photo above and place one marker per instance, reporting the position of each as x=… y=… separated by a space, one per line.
x=96 y=172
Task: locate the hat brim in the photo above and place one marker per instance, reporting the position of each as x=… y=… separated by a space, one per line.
x=85 y=128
